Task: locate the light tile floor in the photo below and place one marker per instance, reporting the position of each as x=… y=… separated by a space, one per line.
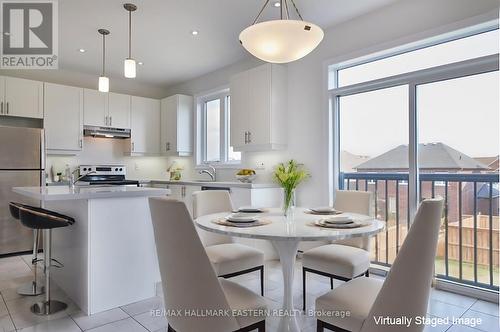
x=137 y=317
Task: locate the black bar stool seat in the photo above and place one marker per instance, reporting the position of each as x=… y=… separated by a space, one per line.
x=46 y=220
x=38 y=218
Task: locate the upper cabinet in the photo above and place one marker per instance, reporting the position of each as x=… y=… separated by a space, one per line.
x=20 y=97
x=258 y=109
x=145 y=126
x=106 y=109
x=177 y=125
x=63 y=121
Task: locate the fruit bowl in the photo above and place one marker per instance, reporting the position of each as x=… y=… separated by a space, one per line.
x=246 y=178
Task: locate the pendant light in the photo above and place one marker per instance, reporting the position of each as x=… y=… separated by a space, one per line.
x=129 y=65
x=103 y=80
x=281 y=41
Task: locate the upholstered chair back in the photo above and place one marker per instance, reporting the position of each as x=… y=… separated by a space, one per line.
x=355 y=202
x=208 y=202
x=407 y=287
x=188 y=279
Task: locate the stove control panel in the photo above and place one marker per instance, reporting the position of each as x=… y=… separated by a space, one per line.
x=102 y=170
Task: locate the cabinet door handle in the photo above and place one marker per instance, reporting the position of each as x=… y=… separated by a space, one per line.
x=7 y=108
x=168 y=146
x=105 y=120
x=132 y=146
x=246 y=137
x=110 y=120
x=249 y=137
x=81 y=143
x=1 y=107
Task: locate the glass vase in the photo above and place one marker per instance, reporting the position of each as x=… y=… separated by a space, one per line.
x=288 y=202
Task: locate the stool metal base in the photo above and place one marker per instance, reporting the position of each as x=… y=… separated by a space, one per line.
x=31 y=289
x=48 y=308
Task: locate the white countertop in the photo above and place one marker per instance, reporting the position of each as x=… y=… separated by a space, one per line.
x=59 y=193
x=218 y=184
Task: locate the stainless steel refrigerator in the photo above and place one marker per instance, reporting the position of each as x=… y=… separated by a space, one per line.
x=22 y=164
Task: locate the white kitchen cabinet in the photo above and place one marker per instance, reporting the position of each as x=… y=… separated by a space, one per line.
x=21 y=97
x=258 y=109
x=144 y=126
x=177 y=125
x=119 y=110
x=94 y=108
x=183 y=193
x=106 y=109
x=63 y=118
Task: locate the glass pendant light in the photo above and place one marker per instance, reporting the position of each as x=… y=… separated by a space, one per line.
x=281 y=41
x=103 y=80
x=129 y=65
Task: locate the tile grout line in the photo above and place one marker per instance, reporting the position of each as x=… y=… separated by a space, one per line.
x=140 y=323
x=75 y=323
x=8 y=312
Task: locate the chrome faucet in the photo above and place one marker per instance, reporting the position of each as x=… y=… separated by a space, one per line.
x=213 y=174
x=73 y=180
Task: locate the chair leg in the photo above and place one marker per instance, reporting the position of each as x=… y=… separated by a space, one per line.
x=367 y=273
x=262 y=280
x=331 y=283
x=170 y=329
x=319 y=326
x=303 y=289
x=262 y=326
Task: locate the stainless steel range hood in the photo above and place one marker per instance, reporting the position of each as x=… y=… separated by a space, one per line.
x=106 y=132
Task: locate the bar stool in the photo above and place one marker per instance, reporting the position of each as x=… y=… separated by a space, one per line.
x=31 y=288
x=42 y=219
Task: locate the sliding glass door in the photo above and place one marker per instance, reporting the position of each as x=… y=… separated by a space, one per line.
x=458 y=131
x=430 y=132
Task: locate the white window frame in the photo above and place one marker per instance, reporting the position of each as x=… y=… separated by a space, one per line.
x=465 y=68
x=222 y=94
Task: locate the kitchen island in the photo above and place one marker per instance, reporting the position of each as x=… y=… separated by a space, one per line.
x=109 y=254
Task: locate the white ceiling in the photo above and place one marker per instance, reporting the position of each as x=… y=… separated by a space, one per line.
x=161 y=33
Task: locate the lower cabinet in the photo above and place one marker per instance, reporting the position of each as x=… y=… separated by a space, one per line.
x=182 y=193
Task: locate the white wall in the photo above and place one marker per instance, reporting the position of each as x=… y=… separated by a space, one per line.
x=397 y=24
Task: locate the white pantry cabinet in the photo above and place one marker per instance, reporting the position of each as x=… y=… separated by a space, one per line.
x=176 y=125
x=258 y=109
x=63 y=120
x=106 y=109
x=144 y=126
x=21 y=97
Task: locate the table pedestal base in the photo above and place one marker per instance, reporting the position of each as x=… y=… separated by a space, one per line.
x=287 y=250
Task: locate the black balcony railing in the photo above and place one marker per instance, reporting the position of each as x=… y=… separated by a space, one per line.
x=468 y=249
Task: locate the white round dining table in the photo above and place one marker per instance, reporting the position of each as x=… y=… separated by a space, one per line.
x=286 y=233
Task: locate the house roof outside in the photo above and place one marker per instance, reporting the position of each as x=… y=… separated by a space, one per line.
x=431 y=156
x=492 y=162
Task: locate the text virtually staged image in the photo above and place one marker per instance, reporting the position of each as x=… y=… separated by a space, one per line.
x=249 y=165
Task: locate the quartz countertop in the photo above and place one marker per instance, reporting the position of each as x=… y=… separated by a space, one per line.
x=217 y=184
x=59 y=193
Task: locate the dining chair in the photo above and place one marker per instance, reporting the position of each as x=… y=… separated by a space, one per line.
x=228 y=258
x=344 y=259
x=200 y=301
x=405 y=291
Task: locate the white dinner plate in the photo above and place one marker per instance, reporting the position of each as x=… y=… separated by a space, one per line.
x=351 y=224
x=250 y=209
x=241 y=217
x=338 y=220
